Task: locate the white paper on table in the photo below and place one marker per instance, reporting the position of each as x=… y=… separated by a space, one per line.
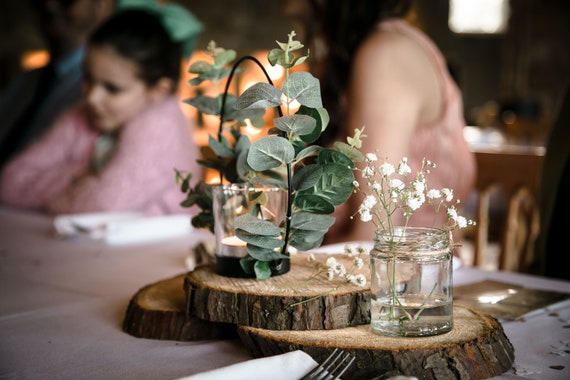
x=289 y=366
x=122 y=228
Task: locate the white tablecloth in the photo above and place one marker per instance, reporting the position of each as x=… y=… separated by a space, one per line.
x=62 y=303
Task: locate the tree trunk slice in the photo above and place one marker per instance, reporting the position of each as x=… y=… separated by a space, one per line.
x=158 y=311
x=476 y=348
x=268 y=303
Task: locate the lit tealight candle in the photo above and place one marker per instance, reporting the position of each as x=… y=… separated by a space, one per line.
x=233 y=246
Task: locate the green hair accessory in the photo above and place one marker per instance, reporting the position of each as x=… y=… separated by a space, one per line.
x=179 y=22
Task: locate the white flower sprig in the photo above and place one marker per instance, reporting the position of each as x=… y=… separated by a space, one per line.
x=333 y=268
x=388 y=190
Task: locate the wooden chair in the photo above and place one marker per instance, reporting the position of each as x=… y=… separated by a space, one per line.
x=515 y=173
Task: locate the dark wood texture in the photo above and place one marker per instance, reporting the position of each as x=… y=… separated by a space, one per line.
x=476 y=348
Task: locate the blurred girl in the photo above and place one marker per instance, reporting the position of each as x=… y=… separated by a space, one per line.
x=117 y=150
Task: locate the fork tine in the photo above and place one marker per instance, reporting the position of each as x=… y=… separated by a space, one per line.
x=336 y=361
x=342 y=366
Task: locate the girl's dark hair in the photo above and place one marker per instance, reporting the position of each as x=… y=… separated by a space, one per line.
x=343 y=25
x=138 y=35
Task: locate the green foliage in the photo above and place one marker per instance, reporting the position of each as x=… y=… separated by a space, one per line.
x=317 y=179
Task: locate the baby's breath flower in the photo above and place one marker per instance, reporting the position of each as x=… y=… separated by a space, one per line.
x=358 y=263
x=415 y=201
x=360 y=280
x=396 y=184
x=447 y=194
x=365 y=216
x=368 y=172
x=330 y=274
x=433 y=194
x=403 y=168
x=386 y=169
x=351 y=250
x=461 y=221
x=452 y=213
x=389 y=192
x=370 y=201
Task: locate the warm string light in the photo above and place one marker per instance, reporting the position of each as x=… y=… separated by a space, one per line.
x=34 y=59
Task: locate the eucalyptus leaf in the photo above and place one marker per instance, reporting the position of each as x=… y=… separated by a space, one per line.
x=277 y=180
x=310 y=151
x=312 y=222
x=242 y=167
x=251 y=224
x=307 y=177
x=299 y=124
x=335 y=184
x=247 y=263
x=305 y=240
x=265 y=254
x=352 y=153
x=253 y=114
x=304 y=88
x=223 y=58
x=199 y=67
x=222 y=149
x=262 y=270
x=322 y=118
x=270 y=152
x=206 y=104
x=314 y=204
x=259 y=240
x=280 y=57
x=260 y=95
x=215 y=75
x=328 y=156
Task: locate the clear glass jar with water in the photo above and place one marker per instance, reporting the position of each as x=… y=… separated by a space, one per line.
x=411 y=282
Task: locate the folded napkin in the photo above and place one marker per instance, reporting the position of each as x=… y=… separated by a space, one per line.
x=289 y=366
x=122 y=228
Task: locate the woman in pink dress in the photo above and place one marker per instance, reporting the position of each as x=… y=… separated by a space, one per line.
x=118 y=149
x=379 y=72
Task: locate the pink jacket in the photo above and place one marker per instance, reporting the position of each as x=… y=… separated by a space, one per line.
x=53 y=174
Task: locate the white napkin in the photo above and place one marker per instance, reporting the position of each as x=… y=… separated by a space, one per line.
x=289 y=366
x=122 y=228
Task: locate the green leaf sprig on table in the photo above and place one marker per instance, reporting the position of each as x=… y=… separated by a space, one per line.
x=317 y=179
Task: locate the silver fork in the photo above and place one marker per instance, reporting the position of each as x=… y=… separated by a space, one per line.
x=332 y=368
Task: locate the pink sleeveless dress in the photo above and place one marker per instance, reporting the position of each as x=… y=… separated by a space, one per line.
x=442 y=140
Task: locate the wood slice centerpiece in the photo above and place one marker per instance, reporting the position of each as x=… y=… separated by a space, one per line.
x=297 y=300
x=476 y=348
x=158 y=311
x=337 y=317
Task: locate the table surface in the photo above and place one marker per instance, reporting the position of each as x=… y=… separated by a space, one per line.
x=62 y=303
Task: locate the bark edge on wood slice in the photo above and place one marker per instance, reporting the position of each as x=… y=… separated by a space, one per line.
x=476 y=348
x=158 y=311
x=268 y=303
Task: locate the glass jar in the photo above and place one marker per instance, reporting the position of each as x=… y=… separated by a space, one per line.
x=233 y=200
x=411 y=282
